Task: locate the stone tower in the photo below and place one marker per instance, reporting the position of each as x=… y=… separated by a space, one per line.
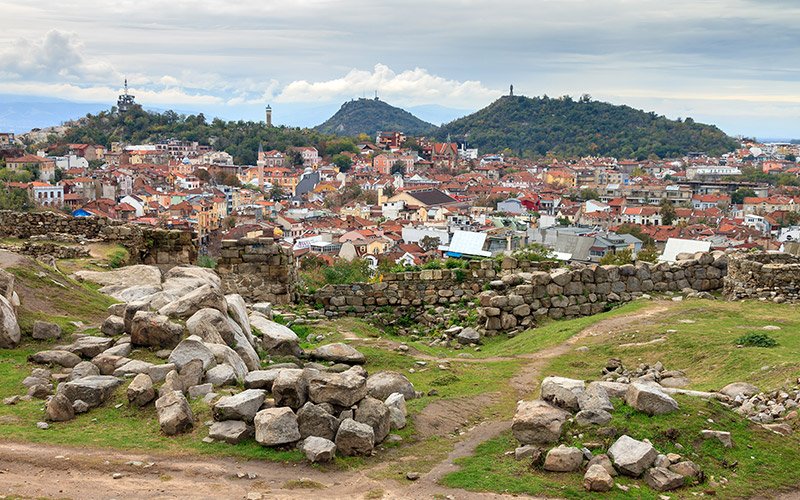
x=269 y=116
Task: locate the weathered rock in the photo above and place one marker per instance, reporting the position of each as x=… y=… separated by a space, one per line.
x=354 y=438
x=92 y=390
x=338 y=353
x=662 y=479
x=122 y=350
x=174 y=413
x=43 y=330
x=373 y=412
x=231 y=431
x=140 y=391
x=80 y=406
x=159 y=372
x=276 y=426
x=151 y=329
x=722 y=436
x=597 y=478
x=782 y=429
x=200 y=390
x=237 y=310
x=615 y=390
x=593 y=417
x=469 y=336
x=186 y=306
x=341 y=389
x=123 y=278
x=10 y=334
x=380 y=385
x=194 y=274
x=59 y=409
x=603 y=460
x=221 y=375
x=675 y=382
x=397 y=400
x=649 y=399
x=742 y=389
x=632 y=457
x=29 y=382
x=534 y=452
x=563 y=459
x=290 y=388
x=40 y=391
x=319 y=449
x=61 y=358
x=227 y=356
x=314 y=420
x=131 y=308
x=107 y=363
x=562 y=392
x=113 y=326
x=192 y=373
x=538 y=422
x=595 y=398
x=276 y=339
x=90 y=346
x=172 y=382
x=260 y=379
x=396 y=419
x=132 y=368
x=685 y=469
x=211 y=325
x=242 y=406
x=243 y=347
x=83 y=369
x=190 y=348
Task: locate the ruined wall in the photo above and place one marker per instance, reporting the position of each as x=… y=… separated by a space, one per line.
x=146 y=245
x=762 y=275
x=514 y=294
x=258 y=269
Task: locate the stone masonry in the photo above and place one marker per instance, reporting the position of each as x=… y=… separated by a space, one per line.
x=762 y=275
x=258 y=269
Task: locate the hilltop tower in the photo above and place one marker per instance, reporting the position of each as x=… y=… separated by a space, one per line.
x=125 y=100
x=262 y=161
x=269 y=116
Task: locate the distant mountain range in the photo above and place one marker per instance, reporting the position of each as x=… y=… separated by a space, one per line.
x=369 y=116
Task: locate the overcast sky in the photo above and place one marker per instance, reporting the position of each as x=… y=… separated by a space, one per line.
x=733 y=63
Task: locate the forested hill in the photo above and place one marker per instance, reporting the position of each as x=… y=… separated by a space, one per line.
x=240 y=139
x=533 y=127
x=369 y=116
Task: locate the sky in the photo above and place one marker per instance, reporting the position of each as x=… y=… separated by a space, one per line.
x=732 y=63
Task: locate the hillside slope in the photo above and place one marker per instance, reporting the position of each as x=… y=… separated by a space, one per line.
x=369 y=116
x=536 y=126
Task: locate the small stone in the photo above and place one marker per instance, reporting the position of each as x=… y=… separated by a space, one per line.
x=413 y=476
x=208 y=440
x=42 y=425
x=116 y=475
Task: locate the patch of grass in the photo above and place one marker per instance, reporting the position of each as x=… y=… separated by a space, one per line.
x=756 y=340
x=763 y=460
x=374 y=494
x=303 y=484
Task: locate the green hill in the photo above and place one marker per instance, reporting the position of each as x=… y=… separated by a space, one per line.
x=369 y=116
x=533 y=127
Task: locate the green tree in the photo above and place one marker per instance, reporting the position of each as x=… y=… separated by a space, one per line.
x=342 y=161
x=668 y=213
x=14 y=199
x=620 y=258
x=790 y=157
x=738 y=196
x=429 y=243
x=276 y=192
x=589 y=194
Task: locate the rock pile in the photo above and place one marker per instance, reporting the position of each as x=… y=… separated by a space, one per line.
x=771 y=408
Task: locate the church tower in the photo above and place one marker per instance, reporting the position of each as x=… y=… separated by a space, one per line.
x=269 y=116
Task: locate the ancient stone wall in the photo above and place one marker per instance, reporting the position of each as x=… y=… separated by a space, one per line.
x=762 y=275
x=48 y=248
x=146 y=245
x=516 y=295
x=258 y=269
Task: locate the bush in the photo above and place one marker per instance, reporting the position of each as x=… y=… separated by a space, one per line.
x=118 y=258
x=432 y=264
x=533 y=252
x=620 y=258
x=206 y=261
x=756 y=340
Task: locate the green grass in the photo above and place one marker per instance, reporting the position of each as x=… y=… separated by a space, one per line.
x=705 y=349
x=769 y=462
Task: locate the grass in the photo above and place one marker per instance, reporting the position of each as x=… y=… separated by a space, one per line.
x=763 y=460
x=303 y=484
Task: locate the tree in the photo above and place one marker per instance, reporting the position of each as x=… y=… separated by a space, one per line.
x=202 y=174
x=668 y=213
x=233 y=180
x=563 y=221
x=589 y=194
x=388 y=191
x=342 y=161
x=790 y=157
x=229 y=222
x=620 y=258
x=276 y=192
x=738 y=196
x=429 y=243
x=14 y=199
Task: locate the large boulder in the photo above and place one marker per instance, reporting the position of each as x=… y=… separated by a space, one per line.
x=6 y=284
x=398 y=401
x=237 y=310
x=83 y=369
x=595 y=398
x=632 y=457
x=227 y=356
x=43 y=330
x=92 y=390
x=374 y=413
x=260 y=379
x=140 y=391
x=650 y=399
x=196 y=274
x=130 y=310
x=314 y=420
x=318 y=449
x=338 y=353
x=230 y=431
x=151 y=329
x=243 y=347
x=380 y=385
x=133 y=293
x=354 y=438
x=242 y=406
x=90 y=346
x=186 y=306
x=190 y=348
x=562 y=392
x=113 y=326
x=563 y=459
x=10 y=334
x=123 y=278
x=191 y=373
x=276 y=339
x=174 y=413
x=597 y=478
x=593 y=417
x=276 y=426
x=742 y=389
x=221 y=375
x=290 y=388
x=59 y=409
x=663 y=479
x=339 y=389
x=132 y=368
x=538 y=422
x=211 y=325
x=61 y=358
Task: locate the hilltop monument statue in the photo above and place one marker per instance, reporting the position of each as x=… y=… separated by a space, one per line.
x=511 y=90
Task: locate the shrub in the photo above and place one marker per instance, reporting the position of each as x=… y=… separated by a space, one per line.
x=118 y=258
x=460 y=275
x=206 y=261
x=432 y=264
x=756 y=340
x=534 y=252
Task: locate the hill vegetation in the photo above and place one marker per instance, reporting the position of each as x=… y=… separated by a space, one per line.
x=534 y=127
x=369 y=116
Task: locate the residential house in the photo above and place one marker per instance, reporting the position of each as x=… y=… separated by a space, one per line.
x=45 y=166
x=46 y=195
